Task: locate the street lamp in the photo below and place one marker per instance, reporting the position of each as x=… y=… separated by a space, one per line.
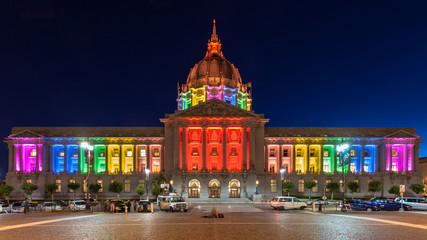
x=147 y=176
x=256 y=190
x=171 y=182
x=341 y=149
x=89 y=148
x=282 y=177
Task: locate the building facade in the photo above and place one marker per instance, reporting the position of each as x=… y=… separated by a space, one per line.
x=214 y=147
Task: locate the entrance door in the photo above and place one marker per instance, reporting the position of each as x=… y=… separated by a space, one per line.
x=234 y=189
x=214 y=189
x=194 y=189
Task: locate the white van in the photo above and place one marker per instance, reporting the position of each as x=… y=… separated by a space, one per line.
x=173 y=203
x=415 y=203
x=281 y=202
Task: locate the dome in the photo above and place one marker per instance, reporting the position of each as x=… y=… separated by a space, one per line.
x=214 y=71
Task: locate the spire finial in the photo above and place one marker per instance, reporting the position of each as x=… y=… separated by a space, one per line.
x=214 y=37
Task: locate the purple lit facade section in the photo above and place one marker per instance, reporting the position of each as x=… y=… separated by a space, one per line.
x=400 y=156
x=214 y=92
x=28 y=154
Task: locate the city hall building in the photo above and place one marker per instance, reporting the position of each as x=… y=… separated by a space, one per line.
x=213 y=148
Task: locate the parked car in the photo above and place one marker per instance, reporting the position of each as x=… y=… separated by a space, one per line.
x=51 y=206
x=173 y=203
x=281 y=202
x=361 y=205
x=18 y=207
x=119 y=205
x=415 y=203
x=78 y=205
x=389 y=204
x=144 y=206
x=5 y=207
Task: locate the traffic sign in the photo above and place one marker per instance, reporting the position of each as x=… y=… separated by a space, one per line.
x=402 y=188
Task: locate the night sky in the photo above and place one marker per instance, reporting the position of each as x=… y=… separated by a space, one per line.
x=117 y=63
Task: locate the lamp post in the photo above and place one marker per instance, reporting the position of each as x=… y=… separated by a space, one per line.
x=171 y=182
x=282 y=177
x=256 y=190
x=341 y=149
x=147 y=177
x=87 y=148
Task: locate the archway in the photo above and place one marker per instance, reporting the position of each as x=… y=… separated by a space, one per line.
x=194 y=189
x=214 y=189
x=234 y=189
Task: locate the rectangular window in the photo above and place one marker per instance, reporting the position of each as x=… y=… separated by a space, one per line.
x=366 y=153
x=366 y=168
x=156 y=152
x=116 y=152
x=195 y=167
x=353 y=152
x=301 y=185
x=353 y=167
x=100 y=183
x=58 y=182
x=156 y=167
x=141 y=182
x=299 y=152
x=76 y=152
x=272 y=168
x=29 y=181
x=312 y=152
x=127 y=185
x=316 y=188
x=326 y=153
x=101 y=153
x=214 y=152
x=233 y=151
x=394 y=167
x=143 y=152
x=326 y=167
x=272 y=152
x=273 y=185
x=286 y=152
x=71 y=181
x=129 y=153
x=61 y=153
x=195 y=151
x=33 y=152
x=326 y=183
x=394 y=153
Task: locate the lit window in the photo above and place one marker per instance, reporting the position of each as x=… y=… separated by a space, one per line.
x=100 y=183
x=84 y=185
x=301 y=185
x=195 y=167
x=299 y=152
x=33 y=152
x=394 y=167
x=115 y=152
x=129 y=153
x=394 y=153
x=75 y=152
x=156 y=167
x=326 y=183
x=195 y=151
x=272 y=168
x=312 y=152
x=316 y=188
x=127 y=185
x=214 y=152
x=326 y=166
x=29 y=181
x=366 y=168
x=58 y=182
x=156 y=152
x=353 y=152
x=143 y=152
x=326 y=153
x=141 y=181
x=272 y=152
x=341 y=186
x=61 y=153
x=285 y=152
x=102 y=153
x=353 y=167
x=273 y=185
x=233 y=152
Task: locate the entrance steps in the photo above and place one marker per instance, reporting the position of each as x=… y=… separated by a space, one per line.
x=219 y=200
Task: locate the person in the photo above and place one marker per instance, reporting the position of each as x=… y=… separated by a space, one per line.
x=135 y=204
x=112 y=207
x=129 y=205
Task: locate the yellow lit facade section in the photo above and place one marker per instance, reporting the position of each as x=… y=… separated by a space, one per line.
x=301 y=159
x=314 y=159
x=113 y=158
x=249 y=104
x=198 y=95
x=127 y=159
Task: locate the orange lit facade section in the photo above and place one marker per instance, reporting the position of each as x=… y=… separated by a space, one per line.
x=234 y=149
x=155 y=157
x=214 y=146
x=194 y=149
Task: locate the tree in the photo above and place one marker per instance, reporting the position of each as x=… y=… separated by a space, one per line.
x=310 y=185
x=73 y=186
x=417 y=188
x=51 y=188
x=332 y=187
x=395 y=189
x=6 y=190
x=140 y=190
x=354 y=187
x=156 y=183
x=375 y=186
x=156 y=190
x=29 y=188
x=116 y=187
x=287 y=186
x=95 y=188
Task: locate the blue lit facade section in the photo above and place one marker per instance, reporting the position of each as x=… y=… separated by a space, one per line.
x=230 y=95
x=72 y=158
x=57 y=158
x=356 y=161
x=370 y=158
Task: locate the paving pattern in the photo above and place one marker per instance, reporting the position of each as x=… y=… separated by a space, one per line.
x=241 y=222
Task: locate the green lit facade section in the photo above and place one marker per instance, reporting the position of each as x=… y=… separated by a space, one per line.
x=242 y=100
x=328 y=158
x=186 y=100
x=346 y=163
x=83 y=164
x=100 y=158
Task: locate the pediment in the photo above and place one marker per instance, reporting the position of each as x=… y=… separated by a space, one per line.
x=215 y=108
x=402 y=134
x=26 y=134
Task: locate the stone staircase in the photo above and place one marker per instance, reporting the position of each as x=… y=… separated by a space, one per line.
x=219 y=200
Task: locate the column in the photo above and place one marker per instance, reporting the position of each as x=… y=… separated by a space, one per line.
x=10 y=147
x=45 y=164
x=411 y=158
x=204 y=149
x=245 y=149
x=280 y=157
x=184 y=149
x=265 y=158
x=334 y=158
x=252 y=148
x=107 y=168
x=388 y=157
x=224 y=149
x=383 y=159
x=175 y=148
x=362 y=159
x=321 y=159
x=162 y=158
x=405 y=158
x=148 y=157
x=38 y=155
x=135 y=159
x=65 y=158
x=294 y=158
x=307 y=159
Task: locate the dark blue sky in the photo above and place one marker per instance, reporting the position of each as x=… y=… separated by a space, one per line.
x=117 y=63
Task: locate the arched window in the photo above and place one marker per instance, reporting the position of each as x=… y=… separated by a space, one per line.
x=214 y=189
x=234 y=189
x=194 y=189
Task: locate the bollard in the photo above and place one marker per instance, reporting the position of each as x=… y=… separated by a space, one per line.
x=313 y=206
x=126 y=209
x=152 y=207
